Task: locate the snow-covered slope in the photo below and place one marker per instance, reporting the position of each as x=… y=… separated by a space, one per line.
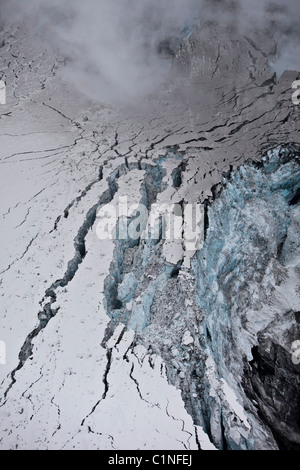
x=123 y=344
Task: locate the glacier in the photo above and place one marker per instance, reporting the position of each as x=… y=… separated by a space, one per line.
x=245 y=283
x=138 y=343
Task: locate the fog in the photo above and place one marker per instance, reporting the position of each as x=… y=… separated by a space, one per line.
x=111 y=47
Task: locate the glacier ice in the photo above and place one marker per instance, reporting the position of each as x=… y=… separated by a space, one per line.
x=251 y=241
x=115 y=343
x=251 y=251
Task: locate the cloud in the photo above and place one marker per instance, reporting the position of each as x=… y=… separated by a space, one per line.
x=111 y=47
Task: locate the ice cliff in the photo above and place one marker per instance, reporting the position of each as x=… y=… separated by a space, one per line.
x=247 y=284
